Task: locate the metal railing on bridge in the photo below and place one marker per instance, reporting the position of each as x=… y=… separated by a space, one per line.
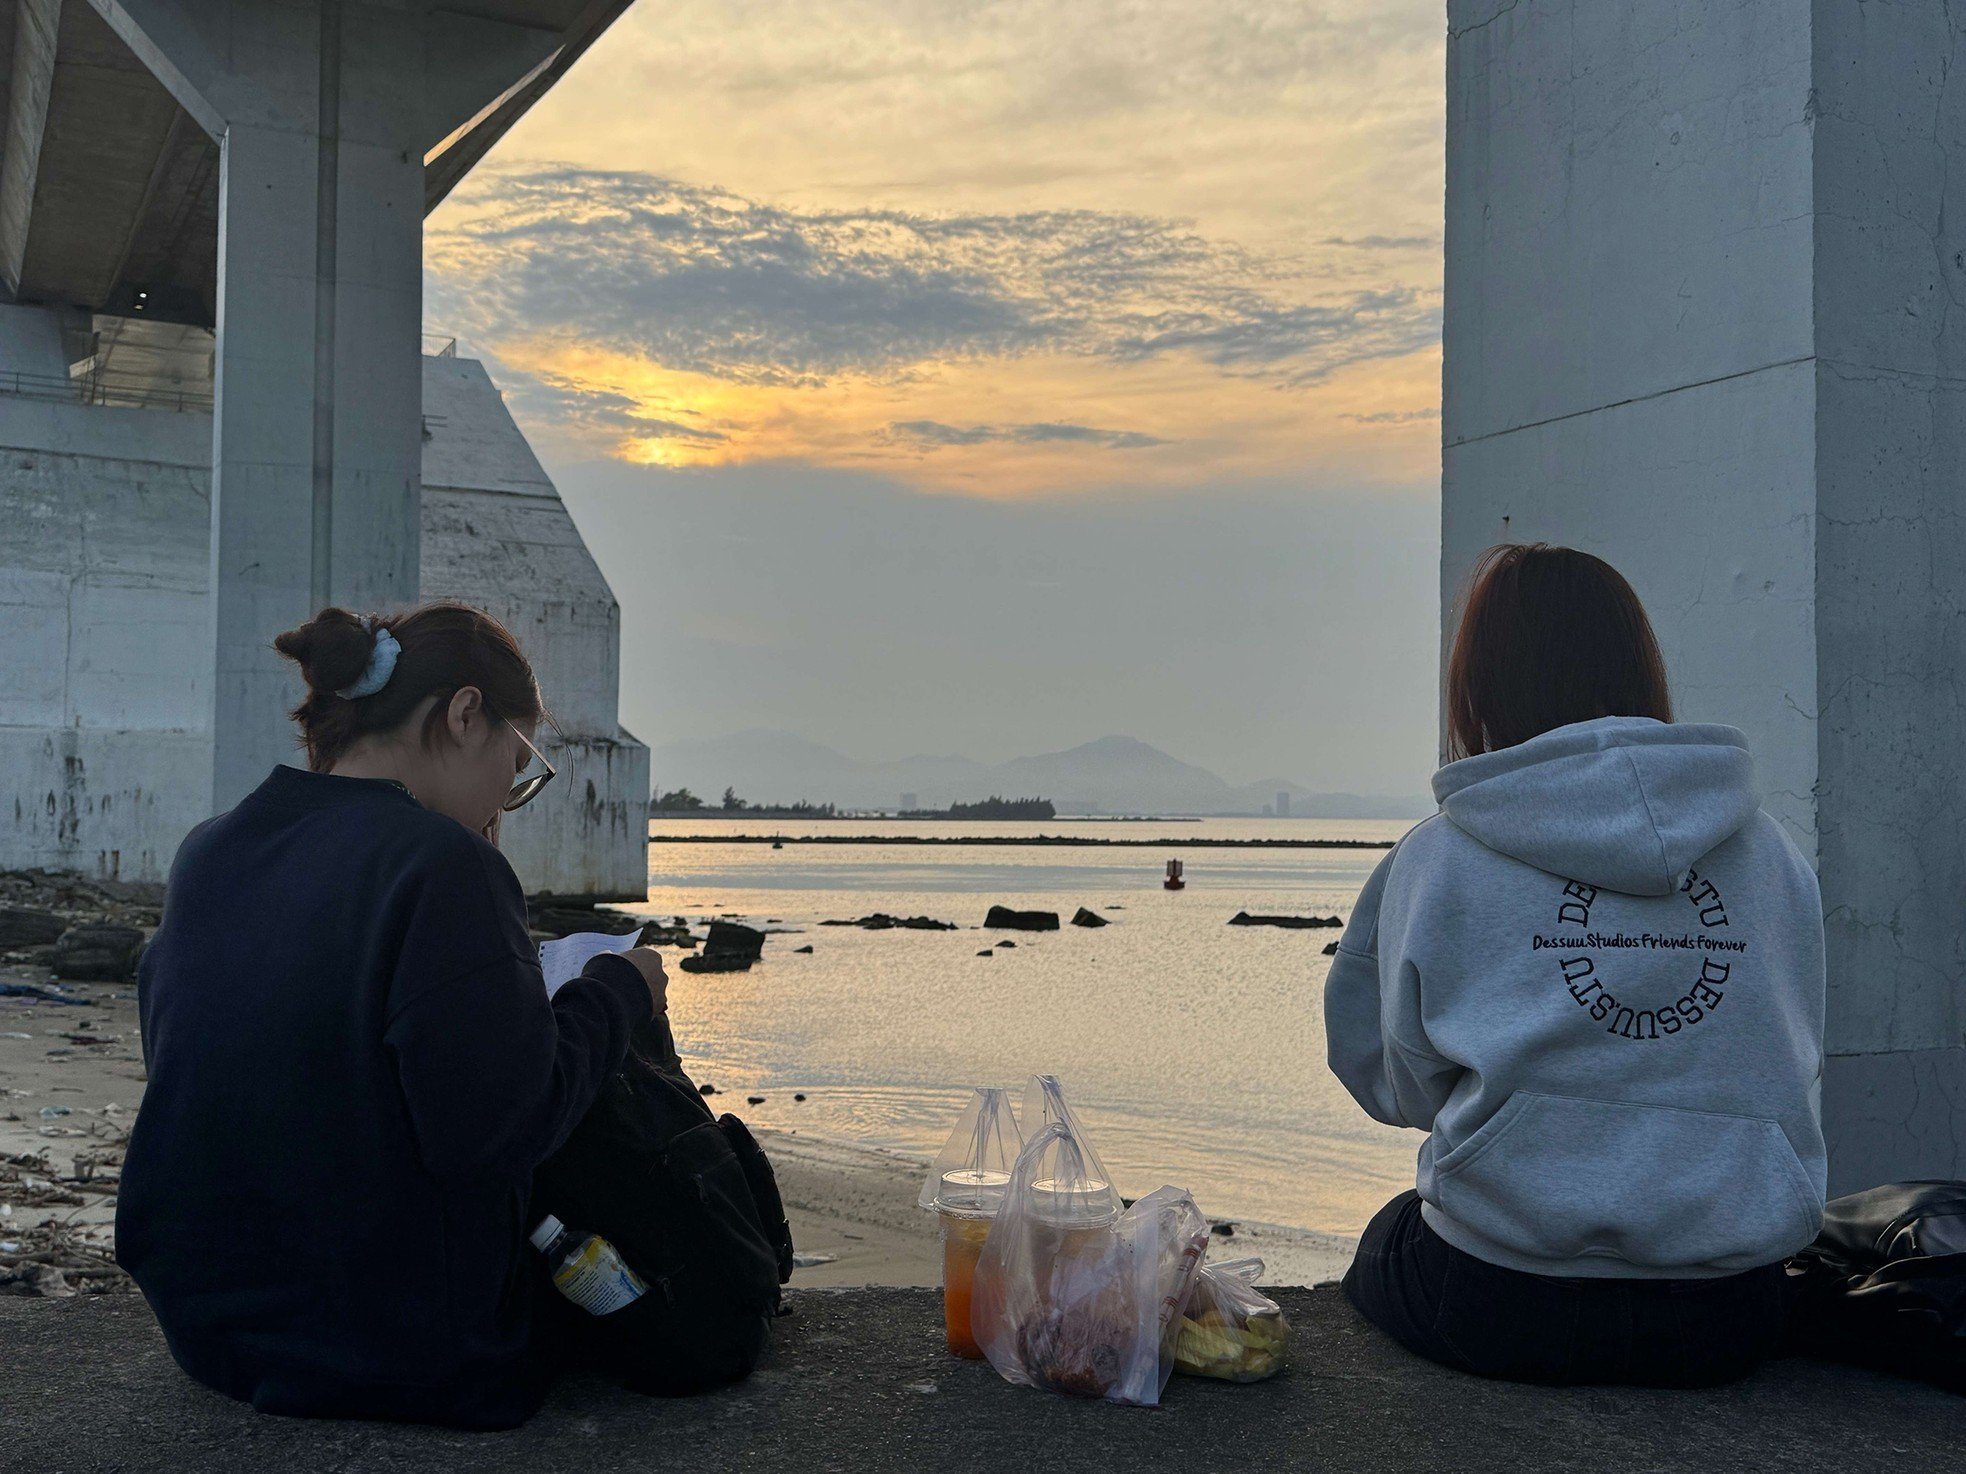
x=116 y=391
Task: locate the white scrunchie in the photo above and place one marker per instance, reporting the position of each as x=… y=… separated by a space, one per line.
x=382 y=665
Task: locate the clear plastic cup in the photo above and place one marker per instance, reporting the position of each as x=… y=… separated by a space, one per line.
x=965 y=1188
x=1075 y=1216
x=968 y=1205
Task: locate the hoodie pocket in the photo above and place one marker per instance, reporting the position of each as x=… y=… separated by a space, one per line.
x=1556 y=1177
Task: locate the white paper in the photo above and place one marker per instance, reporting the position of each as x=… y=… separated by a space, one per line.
x=562 y=958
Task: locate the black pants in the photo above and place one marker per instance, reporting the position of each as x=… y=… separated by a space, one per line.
x=1466 y=1313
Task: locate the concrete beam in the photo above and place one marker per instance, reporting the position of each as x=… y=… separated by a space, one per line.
x=37 y=26
x=108 y=125
x=455 y=156
x=487 y=60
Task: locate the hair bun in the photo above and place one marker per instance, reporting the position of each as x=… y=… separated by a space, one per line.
x=332 y=649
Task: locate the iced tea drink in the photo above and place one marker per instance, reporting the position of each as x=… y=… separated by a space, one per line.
x=968 y=1204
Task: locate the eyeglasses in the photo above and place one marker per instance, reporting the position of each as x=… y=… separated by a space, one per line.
x=535 y=776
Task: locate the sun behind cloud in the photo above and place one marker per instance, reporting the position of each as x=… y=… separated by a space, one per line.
x=1004 y=250
x=997 y=355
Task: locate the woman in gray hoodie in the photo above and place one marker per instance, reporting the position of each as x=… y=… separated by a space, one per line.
x=1595 y=979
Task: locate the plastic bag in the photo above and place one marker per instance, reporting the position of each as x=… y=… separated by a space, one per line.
x=1231 y=1331
x=1073 y=1295
x=973 y=1169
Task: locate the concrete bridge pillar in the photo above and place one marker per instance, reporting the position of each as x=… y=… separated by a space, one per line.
x=324 y=111
x=1706 y=316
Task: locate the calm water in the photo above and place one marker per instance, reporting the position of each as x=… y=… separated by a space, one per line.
x=1195 y=1049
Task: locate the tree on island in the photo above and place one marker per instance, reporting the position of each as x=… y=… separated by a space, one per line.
x=678 y=798
x=995 y=807
x=732 y=803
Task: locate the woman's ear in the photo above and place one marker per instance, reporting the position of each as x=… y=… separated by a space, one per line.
x=467 y=711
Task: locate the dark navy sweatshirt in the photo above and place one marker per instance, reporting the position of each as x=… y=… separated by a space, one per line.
x=354 y=1070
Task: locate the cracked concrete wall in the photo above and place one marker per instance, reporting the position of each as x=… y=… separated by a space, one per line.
x=105 y=706
x=1699 y=321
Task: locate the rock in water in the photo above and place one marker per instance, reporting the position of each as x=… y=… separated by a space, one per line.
x=1089 y=918
x=726 y=963
x=881 y=921
x=98 y=954
x=1002 y=918
x=728 y=939
x=1243 y=918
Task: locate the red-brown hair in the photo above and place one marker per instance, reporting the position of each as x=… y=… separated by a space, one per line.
x=445 y=647
x=1548 y=636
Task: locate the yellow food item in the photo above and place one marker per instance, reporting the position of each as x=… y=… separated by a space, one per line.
x=1230 y=1352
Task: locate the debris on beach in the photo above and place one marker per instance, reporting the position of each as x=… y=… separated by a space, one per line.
x=1295 y=923
x=97 y=952
x=39 y=993
x=799 y=1096
x=1224 y=1230
x=706 y=1090
x=1089 y=918
x=754 y=1100
x=32 y=902
x=881 y=921
x=26 y=926
x=1002 y=918
x=805 y=951
x=986 y=952
x=58 y=1258
x=1330 y=949
x=1006 y=944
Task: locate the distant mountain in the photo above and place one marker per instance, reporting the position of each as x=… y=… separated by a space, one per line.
x=1114 y=775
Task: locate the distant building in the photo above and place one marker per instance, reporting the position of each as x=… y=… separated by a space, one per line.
x=908 y=802
x=1283 y=805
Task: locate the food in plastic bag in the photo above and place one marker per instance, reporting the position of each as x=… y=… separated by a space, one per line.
x=966 y=1186
x=1071 y=1294
x=1230 y=1330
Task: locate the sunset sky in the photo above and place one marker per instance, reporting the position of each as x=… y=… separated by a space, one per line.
x=990 y=377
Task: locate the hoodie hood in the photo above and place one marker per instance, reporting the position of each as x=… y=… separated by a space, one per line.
x=1621 y=803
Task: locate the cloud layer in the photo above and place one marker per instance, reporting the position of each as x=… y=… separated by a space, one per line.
x=705 y=282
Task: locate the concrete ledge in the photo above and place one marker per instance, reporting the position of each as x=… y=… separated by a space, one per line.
x=858 y=1380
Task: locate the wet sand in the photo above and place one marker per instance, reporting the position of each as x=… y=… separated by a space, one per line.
x=852 y=1208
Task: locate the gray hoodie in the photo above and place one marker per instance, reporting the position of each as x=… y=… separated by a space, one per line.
x=1596 y=979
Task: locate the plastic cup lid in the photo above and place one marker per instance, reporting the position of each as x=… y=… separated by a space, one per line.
x=1087 y=1203
x=972 y=1190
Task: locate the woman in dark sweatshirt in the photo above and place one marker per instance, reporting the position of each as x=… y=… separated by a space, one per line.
x=353 y=1064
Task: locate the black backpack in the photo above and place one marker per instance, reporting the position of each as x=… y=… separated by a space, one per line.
x=690 y=1202
x=1884 y=1284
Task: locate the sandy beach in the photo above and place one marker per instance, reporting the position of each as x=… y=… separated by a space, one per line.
x=72 y=1079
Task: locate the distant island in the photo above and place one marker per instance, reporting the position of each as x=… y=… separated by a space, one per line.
x=680 y=802
x=1112 y=777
